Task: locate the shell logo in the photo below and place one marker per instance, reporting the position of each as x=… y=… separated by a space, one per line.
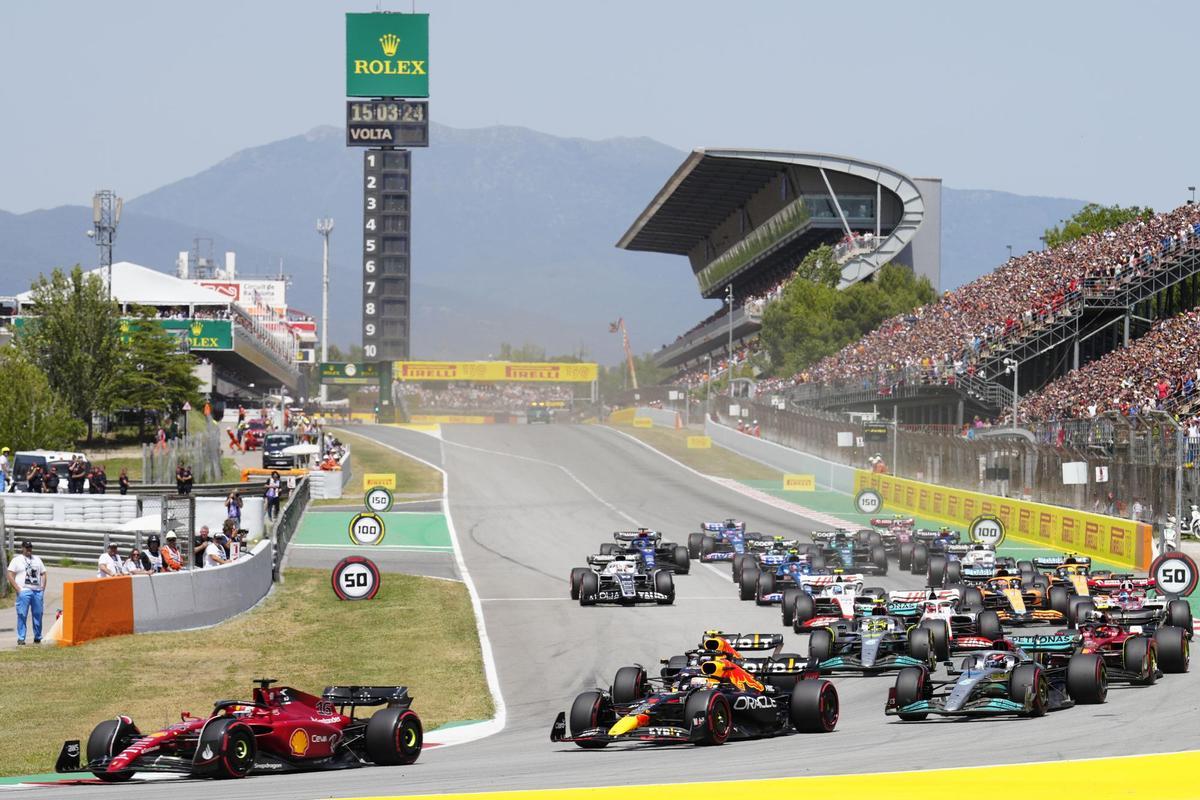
x=298 y=741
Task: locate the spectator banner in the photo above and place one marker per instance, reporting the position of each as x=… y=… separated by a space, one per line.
x=202 y=334
x=643 y=422
x=799 y=483
x=512 y=371
x=1119 y=541
x=699 y=443
x=385 y=479
x=387 y=55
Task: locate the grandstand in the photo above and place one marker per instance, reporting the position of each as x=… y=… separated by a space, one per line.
x=745 y=219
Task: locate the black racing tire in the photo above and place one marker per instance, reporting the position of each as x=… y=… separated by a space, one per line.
x=748 y=582
x=788 y=604
x=736 y=566
x=939 y=631
x=1026 y=568
x=814 y=706
x=763 y=586
x=1087 y=678
x=664 y=583
x=804 y=609
x=1077 y=608
x=589 y=584
x=694 y=544
x=989 y=625
x=972 y=597
x=912 y=685
x=904 y=555
x=108 y=739
x=718 y=716
x=1058 y=599
x=920 y=559
x=920 y=644
x=673 y=666
x=1173 y=649
x=1139 y=656
x=1027 y=678
x=608 y=548
x=232 y=745
x=394 y=736
x=818 y=562
x=1038 y=581
x=1179 y=614
x=954 y=572
x=683 y=564
x=862 y=537
x=590 y=710
x=577 y=574
x=820 y=644
x=879 y=559
x=708 y=545
x=937 y=571
x=629 y=685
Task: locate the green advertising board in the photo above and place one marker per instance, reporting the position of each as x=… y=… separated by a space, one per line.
x=351 y=374
x=387 y=55
x=201 y=334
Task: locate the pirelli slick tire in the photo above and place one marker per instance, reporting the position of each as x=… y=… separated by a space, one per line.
x=764 y=586
x=576 y=579
x=1058 y=599
x=664 y=584
x=1173 y=649
x=608 y=548
x=1029 y=679
x=954 y=572
x=1140 y=657
x=629 y=685
x=804 y=609
x=905 y=555
x=748 y=582
x=972 y=597
x=818 y=562
x=1078 y=609
x=683 y=564
x=788 y=604
x=937 y=571
x=226 y=749
x=736 y=566
x=708 y=545
x=590 y=710
x=920 y=559
x=1038 y=581
x=1179 y=614
x=920 y=645
x=879 y=559
x=107 y=740
x=1087 y=678
x=693 y=544
x=814 y=706
x=989 y=625
x=912 y=685
x=939 y=632
x=589 y=585
x=820 y=644
x=718 y=716
x=394 y=736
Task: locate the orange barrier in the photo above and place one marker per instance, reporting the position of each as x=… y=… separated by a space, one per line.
x=95 y=608
x=283 y=473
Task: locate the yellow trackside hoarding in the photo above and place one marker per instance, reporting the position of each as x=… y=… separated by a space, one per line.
x=1117 y=541
x=643 y=422
x=622 y=416
x=385 y=479
x=528 y=372
x=799 y=483
x=699 y=443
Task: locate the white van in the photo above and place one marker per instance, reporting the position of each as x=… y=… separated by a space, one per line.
x=58 y=460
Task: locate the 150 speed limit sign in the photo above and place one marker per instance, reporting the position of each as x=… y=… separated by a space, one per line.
x=355 y=578
x=367 y=529
x=1174 y=574
x=868 y=501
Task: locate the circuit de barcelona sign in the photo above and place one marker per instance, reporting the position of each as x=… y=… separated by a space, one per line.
x=387 y=55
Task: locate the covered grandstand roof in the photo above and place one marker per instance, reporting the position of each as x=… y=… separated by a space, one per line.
x=138 y=285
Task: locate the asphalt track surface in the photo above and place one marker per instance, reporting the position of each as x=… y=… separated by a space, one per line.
x=529 y=503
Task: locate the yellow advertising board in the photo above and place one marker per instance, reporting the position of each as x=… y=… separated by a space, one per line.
x=643 y=422
x=1118 y=541
x=622 y=416
x=385 y=479
x=699 y=443
x=799 y=483
x=526 y=372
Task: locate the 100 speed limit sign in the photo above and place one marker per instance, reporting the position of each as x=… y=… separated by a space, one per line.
x=355 y=578
x=367 y=529
x=1174 y=574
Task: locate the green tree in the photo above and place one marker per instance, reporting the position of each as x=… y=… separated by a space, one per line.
x=152 y=374
x=74 y=338
x=32 y=415
x=820 y=266
x=1094 y=218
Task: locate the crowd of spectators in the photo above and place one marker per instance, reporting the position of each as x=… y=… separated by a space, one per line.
x=759 y=296
x=483 y=396
x=182 y=312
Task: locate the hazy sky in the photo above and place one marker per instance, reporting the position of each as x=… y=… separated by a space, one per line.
x=1078 y=99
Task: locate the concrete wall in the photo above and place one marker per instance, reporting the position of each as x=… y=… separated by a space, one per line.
x=662 y=417
x=827 y=474
x=178 y=601
x=90 y=509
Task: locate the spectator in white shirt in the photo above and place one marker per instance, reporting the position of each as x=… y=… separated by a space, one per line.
x=136 y=564
x=216 y=554
x=109 y=563
x=27 y=575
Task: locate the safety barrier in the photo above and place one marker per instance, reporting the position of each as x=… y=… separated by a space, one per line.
x=662 y=417
x=622 y=416
x=87 y=509
x=1111 y=539
x=827 y=474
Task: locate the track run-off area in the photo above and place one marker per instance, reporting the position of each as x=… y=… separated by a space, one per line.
x=526 y=504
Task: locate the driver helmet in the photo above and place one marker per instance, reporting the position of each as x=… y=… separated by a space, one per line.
x=1126 y=586
x=836 y=588
x=995 y=661
x=879 y=609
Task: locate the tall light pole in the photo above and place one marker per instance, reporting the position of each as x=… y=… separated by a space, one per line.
x=1192 y=189
x=1011 y=365
x=1009 y=246
x=324 y=227
x=707 y=388
x=729 y=347
x=106 y=215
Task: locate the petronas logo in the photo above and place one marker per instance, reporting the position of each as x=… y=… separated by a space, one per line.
x=390 y=42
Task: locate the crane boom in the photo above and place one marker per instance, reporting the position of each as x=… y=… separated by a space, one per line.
x=619 y=325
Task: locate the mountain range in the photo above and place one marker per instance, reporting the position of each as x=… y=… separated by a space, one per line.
x=513 y=236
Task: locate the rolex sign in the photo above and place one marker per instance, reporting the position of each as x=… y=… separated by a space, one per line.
x=387 y=55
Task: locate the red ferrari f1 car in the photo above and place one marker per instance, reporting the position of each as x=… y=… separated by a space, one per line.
x=280 y=730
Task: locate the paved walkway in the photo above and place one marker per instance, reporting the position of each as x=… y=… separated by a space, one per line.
x=52 y=603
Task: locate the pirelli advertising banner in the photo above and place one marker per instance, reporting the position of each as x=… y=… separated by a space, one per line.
x=1118 y=541
x=513 y=371
x=387 y=55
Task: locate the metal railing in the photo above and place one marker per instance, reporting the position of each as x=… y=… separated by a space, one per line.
x=287 y=523
x=201 y=451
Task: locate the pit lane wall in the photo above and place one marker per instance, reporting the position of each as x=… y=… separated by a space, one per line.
x=175 y=601
x=1111 y=539
x=662 y=417
x=827 y=474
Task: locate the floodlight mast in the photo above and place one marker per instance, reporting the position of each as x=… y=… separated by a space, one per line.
x=106 y=216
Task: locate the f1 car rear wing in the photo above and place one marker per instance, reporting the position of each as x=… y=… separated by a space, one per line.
x=907 y=522
x=367 y=695
x=963 y=549
x=631 y=536
x=917 y=595
x=825 y=536
x=821 y=581
x=769 y=544
x=746 y=641
x=1113 y=583
x=926 y=535
x=723 y=526
x=780 y=666
x=1050 y=562
x=1048 y=643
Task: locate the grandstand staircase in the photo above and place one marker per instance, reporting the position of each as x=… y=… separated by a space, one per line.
x=861 y=267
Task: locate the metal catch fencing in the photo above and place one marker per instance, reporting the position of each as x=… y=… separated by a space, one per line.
x=201 y=451
x=288 y=522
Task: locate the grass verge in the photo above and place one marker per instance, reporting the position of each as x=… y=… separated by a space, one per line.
x=412 y=477
x=715 y=461
x=301 y=635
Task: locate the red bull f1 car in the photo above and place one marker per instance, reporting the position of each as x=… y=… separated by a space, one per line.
x=280 y=730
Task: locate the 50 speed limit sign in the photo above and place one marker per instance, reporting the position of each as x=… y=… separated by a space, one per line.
x=1174 y=574
x=367 y=528
x=355 y=578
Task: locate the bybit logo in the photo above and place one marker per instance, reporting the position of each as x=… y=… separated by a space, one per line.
x=389 y=42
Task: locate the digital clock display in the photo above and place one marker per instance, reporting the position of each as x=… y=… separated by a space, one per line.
x=387 y=123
